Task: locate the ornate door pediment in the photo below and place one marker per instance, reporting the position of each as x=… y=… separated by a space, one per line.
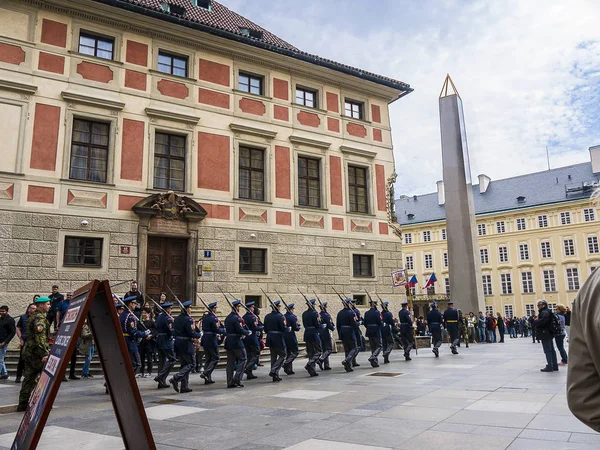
x=170 y=206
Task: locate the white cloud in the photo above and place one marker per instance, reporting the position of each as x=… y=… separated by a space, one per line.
x=528 y=73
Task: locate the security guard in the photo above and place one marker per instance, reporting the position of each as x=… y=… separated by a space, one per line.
x=360 y=340
x=346 y=323
x=165 y=343
x=387 y=331
x=406 y=331
x=451 y=324
x=434 y=322
x=373 y=325
x=212 y=330
x=185 y=330
x=275 y=328
x=236 y=352
x=252 y=343
x=131 y=332
x=310 y=321
x=325 y=333
x=291 y=341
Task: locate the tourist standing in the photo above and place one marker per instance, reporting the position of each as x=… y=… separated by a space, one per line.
x=560 y=338
x=543 y=332
x=7 y=333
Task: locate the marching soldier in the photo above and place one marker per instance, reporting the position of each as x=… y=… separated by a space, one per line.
x=212 y=329
x=462 y=329
x=406 y=331
x=387 y=331
x=310 y=321
x=451 y=324
x=236 y=353
x=373 y=325
x=291 y=341
x=35 y=351
x=434 y=322
x=326 y=341
x=131 y=332
x=165 y=343
x=252 y=343
x=185 y=331
x=275 y=328
x=360 y=340
x=346 y=323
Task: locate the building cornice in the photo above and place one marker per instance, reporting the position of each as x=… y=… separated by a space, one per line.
x=90 y=100
x=311 y=142
x=254 y=131
x=21 y=88
x=172 y=115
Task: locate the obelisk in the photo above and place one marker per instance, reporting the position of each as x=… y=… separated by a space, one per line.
x=466 y=287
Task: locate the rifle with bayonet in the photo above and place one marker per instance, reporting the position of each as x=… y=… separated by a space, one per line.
x=119 y=284
x=287 y=308
x=179 y=303
x=346 y=305
x=269 y=300
x=370 y=298
x=156 y=304
x=310 y=305
x=383 y=307
x=319 y=300
x=229 y=302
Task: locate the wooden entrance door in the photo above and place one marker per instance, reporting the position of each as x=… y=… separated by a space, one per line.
x=166 y=266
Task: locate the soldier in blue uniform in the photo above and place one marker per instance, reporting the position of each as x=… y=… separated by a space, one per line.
x=131 y=333
x=236 y=352
x=310 y=321
x=291 y=341
x=212 y=329
x=373 y=325
x=434 y=322
x=165 y=341
x=360 y=340
x=346 y=324
x=325 y=334
x=451 y=324
x=387 y=331
x=185 y=330
x=275 y=328
x=407 y=335
x=252 y=343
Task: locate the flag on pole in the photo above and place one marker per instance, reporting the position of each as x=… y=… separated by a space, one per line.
x=413 y=281
x=432 y=279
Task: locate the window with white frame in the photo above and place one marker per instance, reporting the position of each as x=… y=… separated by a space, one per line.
x=589 y=214
x=503 y=253
x=524 y=252
x=552 y=307
x=447 y=285
x=426 y=236
x=546 y=250
x=407 y=238
x=428 y=261
x=527 y=282
x=506 y=283
x=500 y=227
x=487 y=284
x=529 y=309
x=445 y=259
x=483 y=254
x=565 y=218
x=542 y=221
x=489 y=309
x=410 y=263
x=444 y=234
x=572 y=279
x=593 y=244
x=569 y=247
x=521 y=224
x=508 y=311
x=549 y=281
x=481 y=229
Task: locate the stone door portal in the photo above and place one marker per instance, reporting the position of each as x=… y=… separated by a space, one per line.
x=166 y=266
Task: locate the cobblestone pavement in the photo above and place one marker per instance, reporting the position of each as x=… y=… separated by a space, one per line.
x=490 y=396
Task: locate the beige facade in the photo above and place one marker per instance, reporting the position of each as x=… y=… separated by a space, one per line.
x=69 y=218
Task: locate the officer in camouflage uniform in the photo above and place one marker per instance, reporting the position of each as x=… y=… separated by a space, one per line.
x=35 y=351
x=462 y=328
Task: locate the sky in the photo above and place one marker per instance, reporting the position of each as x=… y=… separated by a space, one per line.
x=528 y=73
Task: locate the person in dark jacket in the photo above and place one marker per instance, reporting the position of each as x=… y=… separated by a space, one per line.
x=544 y=334
x=55 y=298
x=165 y=342
x=148 y=344
x=387 y=332
x=325 y=333
x=360 y=340
x=501 y=327
x=275 y=327
x=373 y=324
x=291 y=341
x=434 y=322
x=22 y=335
x=252 y=343
x=7 y=333
x=185 y=330
x=451 y=324
x=236 y=331
x=212 y=329
x=346 y=323
x=310 y=321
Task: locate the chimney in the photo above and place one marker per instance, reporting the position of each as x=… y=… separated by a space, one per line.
x=595 y=157
x=484 y=182
x=441 y=193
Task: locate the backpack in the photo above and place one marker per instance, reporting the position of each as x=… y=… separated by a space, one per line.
x=554 y=327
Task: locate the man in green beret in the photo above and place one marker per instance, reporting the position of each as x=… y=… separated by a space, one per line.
x=35 y=351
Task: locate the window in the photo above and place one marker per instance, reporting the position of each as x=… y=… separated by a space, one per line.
x=521 y=224
x=546 y=252
x=410 y=264
x=253 y=260
x=428 y=261
x=524 y=252
x=202 y=4
x=362 y=265
x=257 y=299
x=527 y=282
x=483 y=254
x=572 y=279
x=552 y=307
x=444 y=234
x=249 y=32
x=83 y=252
x=101 y=47
x=309 y=182
x=565 y=218
x=593 y=244
x=426 y=236
x=89 y=151
x=549 y=281
x=306 y=97
x=408 y=238
x=487 y=284
x=503 y=253
x=543 y=221
x=447 y=285
x=506 y=282
x=445 y=259
x=589 y=215
x=353 y=109
x=508 y=311
x=529 y=309
x=489 y=309
x=174 y=65
x=252 y=84
x=169 y=162
x=481 y=229
x=361 y=299
x=569 y=247
x=357 y=184
x=500 y=227
x=252 y=173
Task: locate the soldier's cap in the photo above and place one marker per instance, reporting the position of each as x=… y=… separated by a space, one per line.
x=291 y=305
x=133 y=298
x=248 y=304
x=324 y=303
x=167 y=304
x=277 y=303
x=42 y=300
x=404 y=303
x=187 y=304
x=312 y=301
x=374 y=302
x=433 y=305
x=386 y=303
x=353 y=300
x=119 y=306
x=450 y=303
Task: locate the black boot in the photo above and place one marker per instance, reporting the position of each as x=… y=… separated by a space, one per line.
x=386 y=359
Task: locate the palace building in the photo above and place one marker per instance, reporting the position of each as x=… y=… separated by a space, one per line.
x=538 y=238
x=180 y=144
